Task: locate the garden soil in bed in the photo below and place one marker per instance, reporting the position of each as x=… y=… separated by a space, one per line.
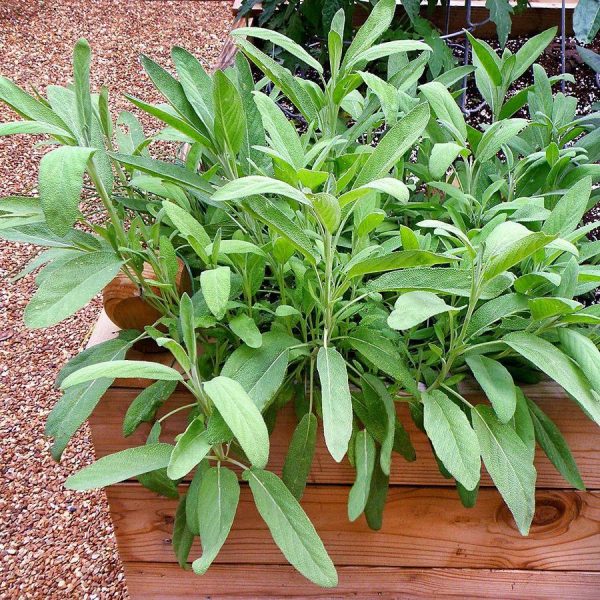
x=53 y=543
x=585 y=87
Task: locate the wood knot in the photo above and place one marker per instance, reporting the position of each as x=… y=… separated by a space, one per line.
x=554 y=511
x=547 y=513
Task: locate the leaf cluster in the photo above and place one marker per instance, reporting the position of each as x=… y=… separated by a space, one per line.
x=379 y=257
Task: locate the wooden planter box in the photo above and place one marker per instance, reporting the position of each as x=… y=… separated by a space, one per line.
x=429 y=544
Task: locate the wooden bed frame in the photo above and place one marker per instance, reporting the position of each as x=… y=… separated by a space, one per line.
x=429 y=544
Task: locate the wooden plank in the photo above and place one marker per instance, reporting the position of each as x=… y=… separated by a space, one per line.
x=157 y=581
x=580 y=432
x=423 y=527
x=530 y=22
x=104 y=330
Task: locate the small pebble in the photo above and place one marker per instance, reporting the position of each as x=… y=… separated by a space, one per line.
x=54 y=543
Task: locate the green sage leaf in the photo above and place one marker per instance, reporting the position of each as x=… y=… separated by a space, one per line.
x=364 y=460
x=216 y=286
x=394 y=144
x=261 y=371
x=336 y=401
x=509 y=464
x=549 y=359
x=60 y=185
x=453 y=438
x=146 y=403
x=242 y=417
x=497 y=383
x=190 y=449
x=291 y=529
x=377 y=497
x=121 y=466
x=217 y=502
x=413 y=308
x=71 y=287
x=183 y=538
x=584 y=352
x=137 y=369
x=554 y=445
x=230 y=119
x=381 y=352
x=299 y=457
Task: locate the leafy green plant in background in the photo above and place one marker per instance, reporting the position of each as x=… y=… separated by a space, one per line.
x=586 y=20
x=307 y=22
x=381 y=256
x=586 y=23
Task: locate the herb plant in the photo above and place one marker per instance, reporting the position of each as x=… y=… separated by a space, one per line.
x=308 y=22
x=380 y=256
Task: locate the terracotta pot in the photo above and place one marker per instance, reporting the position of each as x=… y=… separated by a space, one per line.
x=125 y=305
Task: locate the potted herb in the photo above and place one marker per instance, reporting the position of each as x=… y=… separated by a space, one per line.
x=328 y=273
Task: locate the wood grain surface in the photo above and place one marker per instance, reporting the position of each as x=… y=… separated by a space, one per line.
x=151 y=580
x=580 y=432
x=422 y=527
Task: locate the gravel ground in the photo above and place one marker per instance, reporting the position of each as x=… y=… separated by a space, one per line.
x=53 y=543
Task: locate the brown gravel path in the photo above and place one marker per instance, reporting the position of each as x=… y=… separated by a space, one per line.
x=56 y=544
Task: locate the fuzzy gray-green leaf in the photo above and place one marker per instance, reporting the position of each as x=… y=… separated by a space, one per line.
x=61 y=183
x=291 y=529
x=298 y=460
x=549 y=359
x=453 y=438
x=136 y=369
x=190 y=449
x=217 y=502
x=336 y=401
x=364 y=460
x=121 y=466
x=497 y=383
x=241 y=416
x=509 y=464
x=71 y=287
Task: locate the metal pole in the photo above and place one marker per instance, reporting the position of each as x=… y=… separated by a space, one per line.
x=563 y=43
x=467 y=47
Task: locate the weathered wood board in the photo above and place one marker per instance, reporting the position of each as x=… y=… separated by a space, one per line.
x=581 y=433
x=149 y=581
x=422 y=527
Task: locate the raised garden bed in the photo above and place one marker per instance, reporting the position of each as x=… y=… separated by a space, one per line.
x=350 y=333
x=429 y=542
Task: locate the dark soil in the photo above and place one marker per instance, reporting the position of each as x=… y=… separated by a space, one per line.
x=585 y=88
